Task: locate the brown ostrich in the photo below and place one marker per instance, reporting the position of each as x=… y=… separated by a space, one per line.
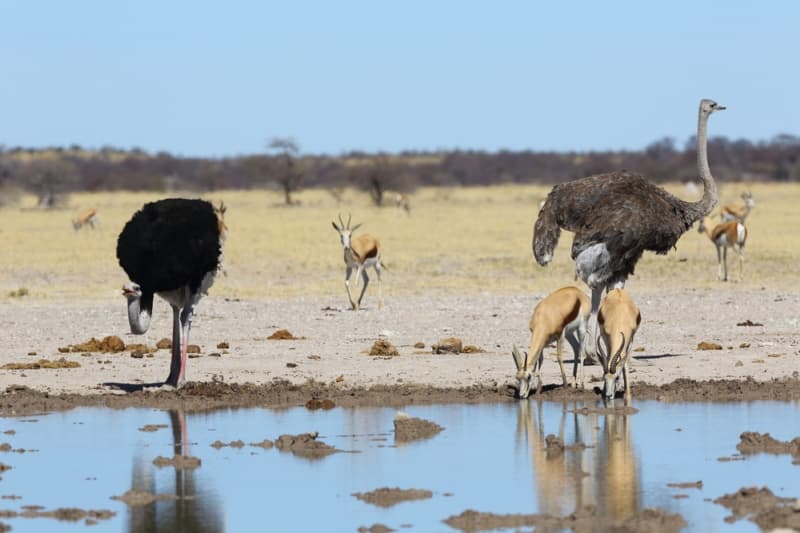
x=616 y=217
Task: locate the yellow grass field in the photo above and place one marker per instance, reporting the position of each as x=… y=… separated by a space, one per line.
x=456 y=240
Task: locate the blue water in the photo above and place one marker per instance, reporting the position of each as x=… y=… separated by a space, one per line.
x=489 y=458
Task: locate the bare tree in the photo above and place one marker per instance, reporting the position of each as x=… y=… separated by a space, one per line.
x=376 y=176
x=49 y=179
x=288 y=171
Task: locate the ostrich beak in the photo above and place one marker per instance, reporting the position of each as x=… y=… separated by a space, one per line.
x=720 y=108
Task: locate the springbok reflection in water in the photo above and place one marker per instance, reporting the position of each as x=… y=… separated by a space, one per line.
x=191 y=510
x=597 y=467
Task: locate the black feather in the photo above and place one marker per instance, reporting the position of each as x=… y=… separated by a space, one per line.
x=169 y=244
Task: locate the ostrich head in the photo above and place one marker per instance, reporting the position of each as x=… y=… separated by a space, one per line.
x=709 y=106
x=138 y=315
x=345 y=231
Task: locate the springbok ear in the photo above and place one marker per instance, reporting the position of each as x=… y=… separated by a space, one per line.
x=518 y=359
x=355 y=227
x=335 y=226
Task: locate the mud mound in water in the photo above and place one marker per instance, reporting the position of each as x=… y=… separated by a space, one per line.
x=180 y=462
x=66 y=514
x=375 y=528
x=387 y=497
x=407 y=429
x=762 y=507
x=751 y=442
x=584 y=520
x=138 y=498
x=305 y=445
x=233 y=444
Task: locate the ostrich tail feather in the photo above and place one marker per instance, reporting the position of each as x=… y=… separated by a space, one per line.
x=545 y=233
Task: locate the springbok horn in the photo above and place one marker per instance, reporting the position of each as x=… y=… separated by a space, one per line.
x=349 y=216
x=341 y=224
x=618 y=356
x=517 y=357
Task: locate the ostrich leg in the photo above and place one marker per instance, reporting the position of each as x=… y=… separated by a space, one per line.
x=186 y=323
x=590 y=345
x=175 y=370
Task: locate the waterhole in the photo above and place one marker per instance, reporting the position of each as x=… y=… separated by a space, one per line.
x=238 y=474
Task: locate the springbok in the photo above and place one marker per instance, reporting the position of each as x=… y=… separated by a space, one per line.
x=618 y=320
x=731 y=234
x=87 y=217
x=360 y=253
x=402 y=201
x=561 y=315
x=738 y=212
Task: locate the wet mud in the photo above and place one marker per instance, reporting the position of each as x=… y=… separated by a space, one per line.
x=408 y=429
x=18 y=400
x=138 y=498
x=65 y=514
x=585 y=520
x=388 y=497
x=375 y=528
x=751 y=442
x=762 y=507
x=686 y=485
x=305 y=445
x=179 y=462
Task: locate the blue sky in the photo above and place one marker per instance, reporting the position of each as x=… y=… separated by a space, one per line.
x=222 y=78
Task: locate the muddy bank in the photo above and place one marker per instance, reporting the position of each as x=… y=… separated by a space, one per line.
x=19 y=400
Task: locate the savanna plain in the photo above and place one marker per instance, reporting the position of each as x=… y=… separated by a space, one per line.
x=459 y=265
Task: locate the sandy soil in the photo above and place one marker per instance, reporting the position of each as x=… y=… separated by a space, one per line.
x=330 y=357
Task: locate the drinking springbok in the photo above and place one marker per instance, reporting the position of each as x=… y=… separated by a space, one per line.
x=618 y=319
x=561 y=315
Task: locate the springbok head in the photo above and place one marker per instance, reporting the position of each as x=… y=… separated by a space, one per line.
x=221 y=226
x=345 y=231
x=747 y=198
x=523 y=372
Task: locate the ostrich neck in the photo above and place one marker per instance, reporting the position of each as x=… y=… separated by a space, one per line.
x=139 y=311
x=709 y=200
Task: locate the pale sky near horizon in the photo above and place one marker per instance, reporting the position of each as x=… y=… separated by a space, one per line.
x=222 y=78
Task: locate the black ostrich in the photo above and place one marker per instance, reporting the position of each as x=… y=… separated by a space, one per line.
x=172 y=248
x=616 y=217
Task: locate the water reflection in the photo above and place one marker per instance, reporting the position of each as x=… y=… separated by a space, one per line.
x=598 y=465
x=192 y=511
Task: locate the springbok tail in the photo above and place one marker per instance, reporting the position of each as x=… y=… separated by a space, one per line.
x=545 y=233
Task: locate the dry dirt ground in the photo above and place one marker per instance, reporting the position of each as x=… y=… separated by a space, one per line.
x=330 y=358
